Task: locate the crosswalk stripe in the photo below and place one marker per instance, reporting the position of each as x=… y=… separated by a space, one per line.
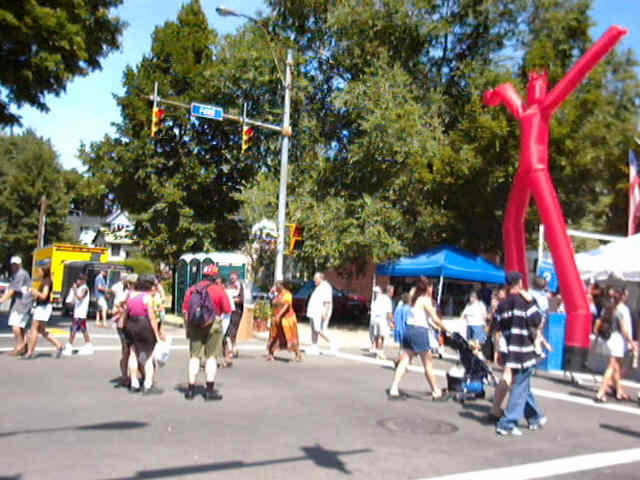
x=550 y=468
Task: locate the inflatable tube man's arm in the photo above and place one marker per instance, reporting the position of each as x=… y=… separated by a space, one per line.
x=581 y=69
x=507 y=94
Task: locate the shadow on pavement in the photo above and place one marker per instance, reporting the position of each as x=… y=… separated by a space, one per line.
x=124 y=425
x=476 y=412
x=319 y=455
x=621 y=430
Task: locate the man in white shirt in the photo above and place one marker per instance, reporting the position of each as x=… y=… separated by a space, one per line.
x=475 y=314
x=382 y=315
x=81 y=297
x=319 y=311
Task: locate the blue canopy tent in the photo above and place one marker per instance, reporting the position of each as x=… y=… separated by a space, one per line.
x=444 y=261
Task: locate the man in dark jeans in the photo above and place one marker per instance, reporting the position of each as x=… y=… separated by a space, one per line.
x=519 y=319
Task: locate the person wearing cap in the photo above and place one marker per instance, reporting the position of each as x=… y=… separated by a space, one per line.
x=519 y=318
x=19 y=292
x=43 y=309
x=99 y=292
x=205 y=343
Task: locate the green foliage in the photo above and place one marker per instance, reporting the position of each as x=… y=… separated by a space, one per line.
x=180 y=189
x=140 y=265
x=88 y=196
x=392 y=152
x=263 y=310
x=29 y=169
x=46 y=43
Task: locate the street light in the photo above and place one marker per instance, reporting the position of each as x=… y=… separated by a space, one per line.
x=286 y=133
x=228 y=12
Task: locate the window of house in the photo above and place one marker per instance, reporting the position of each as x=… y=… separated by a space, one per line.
x=116 y=250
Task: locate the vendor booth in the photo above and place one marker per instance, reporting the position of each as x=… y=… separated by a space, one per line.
x=445 y=262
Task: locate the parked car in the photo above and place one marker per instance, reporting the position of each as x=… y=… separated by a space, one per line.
x=347 y=307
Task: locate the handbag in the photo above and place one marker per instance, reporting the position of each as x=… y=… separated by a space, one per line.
x=162 y=351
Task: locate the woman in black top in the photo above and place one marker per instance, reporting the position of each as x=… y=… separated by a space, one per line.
x=42 y=310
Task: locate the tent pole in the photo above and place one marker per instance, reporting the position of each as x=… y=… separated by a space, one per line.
x=440 y=289
x=540 y=246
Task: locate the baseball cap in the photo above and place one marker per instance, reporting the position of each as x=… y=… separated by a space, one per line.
x=376 y=289
x=211 y=271
x=513 y=278
x=16 y=259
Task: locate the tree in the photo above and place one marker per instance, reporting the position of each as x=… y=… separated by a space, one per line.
x=88 y=196
x=394 y=151
x=180 y=187
x=29 y=169
x=46 y=43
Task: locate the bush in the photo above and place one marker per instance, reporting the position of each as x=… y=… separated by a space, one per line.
x=140 y=265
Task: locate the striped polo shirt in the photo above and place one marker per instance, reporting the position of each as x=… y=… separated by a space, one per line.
x=518 y=318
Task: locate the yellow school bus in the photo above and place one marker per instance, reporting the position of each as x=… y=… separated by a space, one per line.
x=61 y=254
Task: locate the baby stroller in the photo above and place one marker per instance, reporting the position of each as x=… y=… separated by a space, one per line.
x=467 y=382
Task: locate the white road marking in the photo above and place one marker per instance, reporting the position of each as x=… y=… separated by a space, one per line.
x=540 y=392
x=372 y=361
x=550 y=468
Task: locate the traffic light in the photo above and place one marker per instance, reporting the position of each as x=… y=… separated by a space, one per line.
x=156 y=120
x=296 y=237
x=248 y=135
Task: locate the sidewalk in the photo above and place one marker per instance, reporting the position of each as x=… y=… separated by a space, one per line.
x=347 y=337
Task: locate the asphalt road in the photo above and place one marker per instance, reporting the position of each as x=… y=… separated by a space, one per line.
x=325 y=418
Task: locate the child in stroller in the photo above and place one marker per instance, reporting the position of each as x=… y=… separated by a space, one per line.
x=467 y=383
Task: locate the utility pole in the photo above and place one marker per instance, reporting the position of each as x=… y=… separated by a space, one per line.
x=284 y=163
x=42 y=221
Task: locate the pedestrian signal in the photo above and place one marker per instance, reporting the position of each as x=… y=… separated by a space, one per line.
x=248 y=135
x=156 y=120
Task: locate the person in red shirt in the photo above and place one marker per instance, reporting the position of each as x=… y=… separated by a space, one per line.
x=205 y=343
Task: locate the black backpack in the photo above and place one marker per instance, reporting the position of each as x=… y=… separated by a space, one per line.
x=202 y=311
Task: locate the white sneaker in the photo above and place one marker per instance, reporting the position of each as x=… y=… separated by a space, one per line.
x=380 y=356
x=67 y=351
x=86 y=349
x=542 y=421
x=516 y=432
x=312 y=351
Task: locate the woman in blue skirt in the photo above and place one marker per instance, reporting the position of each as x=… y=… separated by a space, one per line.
x=420 y=339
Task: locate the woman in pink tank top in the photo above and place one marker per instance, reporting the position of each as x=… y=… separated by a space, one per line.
x=141 y=326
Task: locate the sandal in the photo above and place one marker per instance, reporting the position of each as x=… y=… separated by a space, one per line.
x=600 y=398
x=395 y=397
x=269 y=358
x=443 y=397
x=623 y=397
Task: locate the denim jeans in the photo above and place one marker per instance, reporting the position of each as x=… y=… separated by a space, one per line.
x=521 y=402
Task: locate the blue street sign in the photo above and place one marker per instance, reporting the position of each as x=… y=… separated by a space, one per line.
x=207 y=111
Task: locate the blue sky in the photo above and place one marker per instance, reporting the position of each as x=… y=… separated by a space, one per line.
x=87 y=110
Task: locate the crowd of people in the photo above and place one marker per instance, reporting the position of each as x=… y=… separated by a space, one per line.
x=506 y=330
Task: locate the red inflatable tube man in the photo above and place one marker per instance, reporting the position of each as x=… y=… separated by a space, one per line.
x=533 y=178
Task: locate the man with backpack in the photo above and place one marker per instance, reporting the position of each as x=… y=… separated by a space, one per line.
x=203 y=306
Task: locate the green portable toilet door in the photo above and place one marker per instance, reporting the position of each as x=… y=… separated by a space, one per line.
x=180 y=281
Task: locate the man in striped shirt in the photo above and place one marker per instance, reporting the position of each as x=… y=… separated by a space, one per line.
x=519 y=319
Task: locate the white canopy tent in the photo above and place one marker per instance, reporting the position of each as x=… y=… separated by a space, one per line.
x=618 y=260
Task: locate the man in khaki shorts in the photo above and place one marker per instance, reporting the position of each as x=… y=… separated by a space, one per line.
x=20 y=292
x=205 y=343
